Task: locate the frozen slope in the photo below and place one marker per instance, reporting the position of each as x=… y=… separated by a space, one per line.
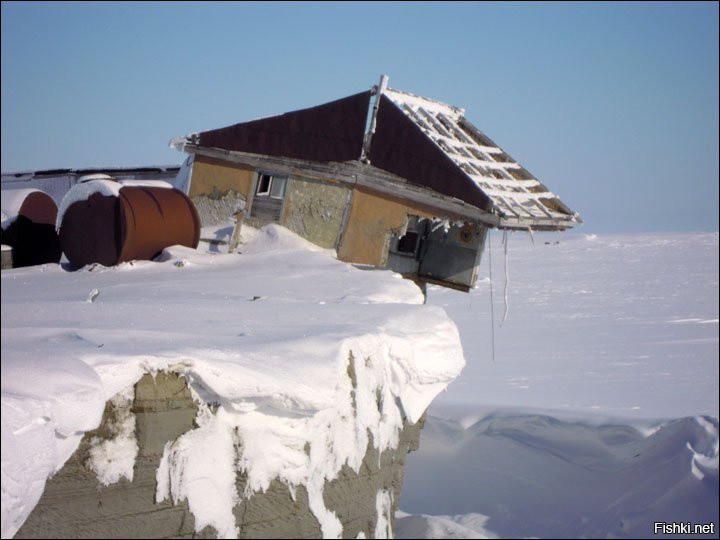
x=598 y=416
x=266 y=335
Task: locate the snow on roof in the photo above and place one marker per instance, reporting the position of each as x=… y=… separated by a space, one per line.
x=517 y=196
x=267 y=333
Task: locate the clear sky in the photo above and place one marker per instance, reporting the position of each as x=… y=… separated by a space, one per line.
x=614 y=106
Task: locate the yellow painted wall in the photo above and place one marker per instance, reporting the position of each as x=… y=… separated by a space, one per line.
x=212 y=175
x=372 y=222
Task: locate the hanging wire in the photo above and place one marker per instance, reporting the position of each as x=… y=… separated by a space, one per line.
x=507 y=279
x=492 y=310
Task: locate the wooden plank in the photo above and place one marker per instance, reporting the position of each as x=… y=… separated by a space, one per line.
x=450 y=124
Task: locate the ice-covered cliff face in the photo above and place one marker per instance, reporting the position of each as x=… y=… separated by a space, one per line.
x=298 y=363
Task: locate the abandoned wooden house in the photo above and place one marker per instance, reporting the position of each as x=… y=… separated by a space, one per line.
x=385 y=177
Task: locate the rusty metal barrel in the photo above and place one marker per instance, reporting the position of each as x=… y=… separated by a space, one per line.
x=108 y=222
x=28 y=226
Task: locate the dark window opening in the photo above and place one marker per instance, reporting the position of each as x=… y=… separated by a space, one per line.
x=263 y=187
x=408 y=243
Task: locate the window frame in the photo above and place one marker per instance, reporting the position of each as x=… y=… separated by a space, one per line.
x=261 y=179
x=272 y=181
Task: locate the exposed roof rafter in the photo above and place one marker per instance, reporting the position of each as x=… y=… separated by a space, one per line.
x=484 y=163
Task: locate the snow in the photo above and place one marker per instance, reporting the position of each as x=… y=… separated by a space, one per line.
x=430 y=105
x=470 y=525
x=11 y=203
x=102 y=184
x=83 y=191
x=199 y=466
x=272 y=335
x=599 y=415
x=602 y=327
x=114 y=458
x=536 y=475
x=383 y=510
x=96 y=176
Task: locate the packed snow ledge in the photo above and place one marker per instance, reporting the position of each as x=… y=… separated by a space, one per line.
x=269 y=335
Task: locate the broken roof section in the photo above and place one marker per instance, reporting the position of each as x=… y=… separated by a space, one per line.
x=514 y=194
x=421 y=141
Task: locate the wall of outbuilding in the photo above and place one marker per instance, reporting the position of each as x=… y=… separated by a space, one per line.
x=217 y=188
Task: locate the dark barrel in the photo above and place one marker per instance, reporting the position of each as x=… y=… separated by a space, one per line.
x=30 y=227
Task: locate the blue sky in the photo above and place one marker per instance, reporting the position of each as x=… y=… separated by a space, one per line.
x=614 y=106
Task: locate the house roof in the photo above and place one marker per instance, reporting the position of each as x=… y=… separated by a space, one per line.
x=423 y=141
x=512 y=192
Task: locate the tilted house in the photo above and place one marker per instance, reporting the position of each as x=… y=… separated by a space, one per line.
x=385 y=177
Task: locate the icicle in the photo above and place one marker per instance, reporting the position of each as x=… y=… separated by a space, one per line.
x=492 y=305
x=507 y=279
x=532 y=238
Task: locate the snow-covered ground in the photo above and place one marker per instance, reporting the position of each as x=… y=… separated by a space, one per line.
x=596 y=418
x=598 y=415
x=267 y=335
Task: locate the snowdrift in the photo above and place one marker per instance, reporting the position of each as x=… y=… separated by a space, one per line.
x=534 y=475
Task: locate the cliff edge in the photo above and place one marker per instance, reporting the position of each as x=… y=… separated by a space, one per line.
x=273 y=393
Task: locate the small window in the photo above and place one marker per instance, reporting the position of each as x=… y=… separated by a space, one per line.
x=277 y=188
x=408 y=244
x=271 y=186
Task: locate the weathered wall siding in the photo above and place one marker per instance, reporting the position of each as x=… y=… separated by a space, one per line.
x=218 y=188
x=75 y=505
x=210 y=175
x=315 y=210
x=215 y=209
x=373 y=221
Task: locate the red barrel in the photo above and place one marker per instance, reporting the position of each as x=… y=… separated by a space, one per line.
x=110 y=222
x=29 y=226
